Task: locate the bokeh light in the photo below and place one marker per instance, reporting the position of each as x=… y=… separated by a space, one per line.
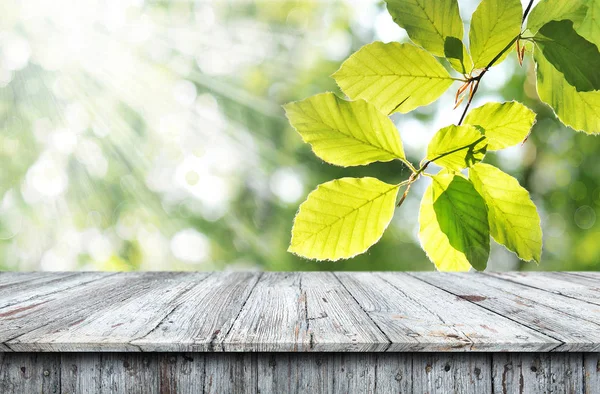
x=148 y=135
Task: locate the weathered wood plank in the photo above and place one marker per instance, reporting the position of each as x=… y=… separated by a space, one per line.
x=571 y=286
x=181 y=373
x=24 y=317
x=24 y=324
x=591 y=371
x=538 y=373
x=576 y=334
x=295 y=373
x=302 y=312
x=357 y=312
x=394 y=372
x=105 y=373
x=81 y=373
x=273 y=318
x=10 y=279
x=353 y=374
x=33 y=289
x=335 y=320
x=29 y=373
x=421 y=317
x=114 y=326
x=452 y=373
x=575 y=308
x=203 y=317
x=588 y=274
x=131 y=373
x=231 y=373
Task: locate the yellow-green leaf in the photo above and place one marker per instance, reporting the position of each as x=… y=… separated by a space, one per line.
x=503 y=124
x=343 y=218
x=457 y=147
x=589 y=28
x=345 y=133
x=454 y=229
x=495 y=25
x=513 y=218
x=575 y=57
x=393 y=77
x=556 y=10
x=579 y=110
x=435 y=26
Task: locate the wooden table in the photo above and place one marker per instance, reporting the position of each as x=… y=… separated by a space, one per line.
x=240 y=332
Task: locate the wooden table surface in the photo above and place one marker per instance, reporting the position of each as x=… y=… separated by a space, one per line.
x=299 y=312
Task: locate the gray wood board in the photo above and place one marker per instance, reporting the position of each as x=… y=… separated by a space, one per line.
x=299 y=312
x=303 y=312
x=192 y=373
x=107 y=318
x=417 y=316
x=567 y=320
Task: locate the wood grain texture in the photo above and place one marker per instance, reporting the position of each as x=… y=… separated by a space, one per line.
x=539 y=373
x=591 y=372
x=203 y=316
x=20 y=288
x=183 y=373
x=29 y=373
x=103 y=316
x=565 y=284
x=10 y=279
x=420 y=317
x=302 y=312
x=527 y=306
x=231 y=372
x=299 y=312
x=109 y=373
x=295 y=373
x=452 y=373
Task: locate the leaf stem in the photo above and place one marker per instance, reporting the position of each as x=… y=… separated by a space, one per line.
x=476 y=80
x=408 y=182
x=403 y=183
x=408 y=164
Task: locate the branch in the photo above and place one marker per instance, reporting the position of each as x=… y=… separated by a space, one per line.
x=477 y=79
x=527 y=10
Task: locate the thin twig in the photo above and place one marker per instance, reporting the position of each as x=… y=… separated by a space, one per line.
x=462 y=117
x=477 y=79
x=527 y=10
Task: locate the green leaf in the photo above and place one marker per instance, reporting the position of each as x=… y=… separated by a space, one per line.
x=556 y=10
x=589 y=28
x=436 y=26
x=457 y=147
x=393 y=77
x=495 y=25
x=513 y=218
x=454 y=229
x=579 y=110
x=503 y=124
x=345 y=133
x=343 y=218
x=571 y=54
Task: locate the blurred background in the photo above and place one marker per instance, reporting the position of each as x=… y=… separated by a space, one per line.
x=149 y=135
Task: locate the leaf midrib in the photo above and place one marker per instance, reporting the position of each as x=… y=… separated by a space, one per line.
x=348 y=214
x=351 y=136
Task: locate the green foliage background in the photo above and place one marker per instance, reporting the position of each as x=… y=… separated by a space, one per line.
x=103 y=163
